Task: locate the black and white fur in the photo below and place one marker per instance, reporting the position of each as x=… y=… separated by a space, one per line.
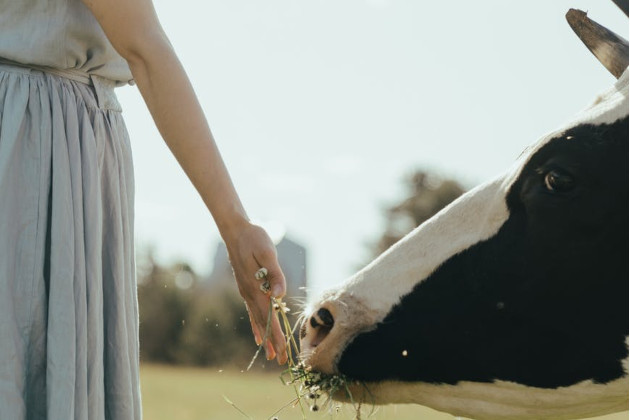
x=510 y=303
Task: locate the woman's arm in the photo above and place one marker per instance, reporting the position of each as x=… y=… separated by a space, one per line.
x=133 y=29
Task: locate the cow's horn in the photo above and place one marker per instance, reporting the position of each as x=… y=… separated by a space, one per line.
x=609 y=48
x=623 y=5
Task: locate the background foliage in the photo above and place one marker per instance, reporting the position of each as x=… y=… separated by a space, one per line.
x=185 y=321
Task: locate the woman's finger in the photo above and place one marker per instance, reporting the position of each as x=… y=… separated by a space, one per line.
x=279 y=342
x=257 y=319
x=277 y=282
x=276 y=339
x=269 y=350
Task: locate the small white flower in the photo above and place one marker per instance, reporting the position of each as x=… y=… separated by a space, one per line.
x=265 y=287
x=261 y=273
x=279 y=305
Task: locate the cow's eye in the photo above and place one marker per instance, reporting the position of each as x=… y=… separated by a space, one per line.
x=559 y=181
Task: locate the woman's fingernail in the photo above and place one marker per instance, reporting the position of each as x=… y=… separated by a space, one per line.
x=276 y=291
x=257 y=337
x=271 y=353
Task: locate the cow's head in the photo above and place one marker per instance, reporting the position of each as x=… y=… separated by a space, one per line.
x=512 y=301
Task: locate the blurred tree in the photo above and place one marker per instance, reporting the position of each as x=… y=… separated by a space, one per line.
x=183 y=321
x=163 y=311
x=217 y=331
x=427 y=195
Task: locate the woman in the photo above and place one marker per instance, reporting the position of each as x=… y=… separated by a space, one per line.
x=68 y=311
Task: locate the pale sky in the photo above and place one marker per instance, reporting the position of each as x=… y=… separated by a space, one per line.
x=321 y=107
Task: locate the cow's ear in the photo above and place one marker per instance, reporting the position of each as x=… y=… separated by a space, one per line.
x=609 y=48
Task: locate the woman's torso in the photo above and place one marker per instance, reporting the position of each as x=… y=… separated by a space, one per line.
x=61 y=34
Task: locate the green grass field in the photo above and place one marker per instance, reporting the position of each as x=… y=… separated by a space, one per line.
x=176 y=393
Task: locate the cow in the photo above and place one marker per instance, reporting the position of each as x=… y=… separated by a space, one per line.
x=512 y=302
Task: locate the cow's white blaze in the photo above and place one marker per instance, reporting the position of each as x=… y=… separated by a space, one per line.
x=475 y=216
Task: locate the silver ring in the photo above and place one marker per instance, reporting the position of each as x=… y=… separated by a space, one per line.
x=265 y=287
x=261 y=274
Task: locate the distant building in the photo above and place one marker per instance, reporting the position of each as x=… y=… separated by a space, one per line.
x=292 y=258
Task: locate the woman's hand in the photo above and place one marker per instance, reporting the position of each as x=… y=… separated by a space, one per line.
x=250 y=249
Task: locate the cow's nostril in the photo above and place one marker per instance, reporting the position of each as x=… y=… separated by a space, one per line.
x=320 y=323
x=326 y=317
x=323 y=318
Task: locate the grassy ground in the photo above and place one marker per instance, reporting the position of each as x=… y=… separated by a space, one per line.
x=175 y=393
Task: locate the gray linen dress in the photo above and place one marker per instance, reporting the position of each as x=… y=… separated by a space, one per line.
x=68 y=303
